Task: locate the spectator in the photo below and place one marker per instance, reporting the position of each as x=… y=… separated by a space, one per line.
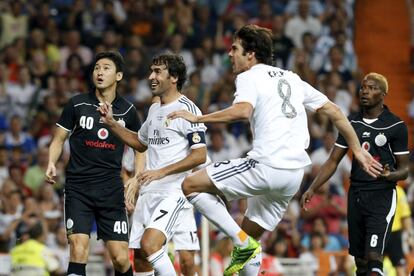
x=10 y=214
x=264 y=18
x=336 y=64
x=32 y=256
x=219 y=149
x=301 y=23
x=39 y=43
x=204 y=24
x=220 y=255
x=60 y=248
x=73 y=45
x=176 y=46
x=319 y=261
x=14 y=23
x=282 y=45
x=48 y=200
x=328 y=206
x=271 y=266
x=16 y=175
x=330 y=241
x=17 y=137
x=4 y=163
x=320 y=155
x=22 y=92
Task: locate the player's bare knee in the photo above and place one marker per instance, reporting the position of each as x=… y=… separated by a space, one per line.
x=149 y=247
x=188 y=185
x=120 y=261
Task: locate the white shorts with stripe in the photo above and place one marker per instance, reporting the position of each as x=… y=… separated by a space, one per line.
x=185 y=236
x=172 y=215
x=268 y=190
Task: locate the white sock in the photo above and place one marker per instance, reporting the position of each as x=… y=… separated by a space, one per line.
x=214 y=210
x=161 y=263
x=252 y=267
x=148 y=273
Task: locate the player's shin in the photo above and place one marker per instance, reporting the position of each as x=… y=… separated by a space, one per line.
x=215 y=211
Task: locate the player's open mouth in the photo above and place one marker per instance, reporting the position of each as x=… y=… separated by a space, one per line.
x=154 y=85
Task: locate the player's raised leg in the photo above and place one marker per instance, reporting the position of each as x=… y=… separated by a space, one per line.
x=201 y=192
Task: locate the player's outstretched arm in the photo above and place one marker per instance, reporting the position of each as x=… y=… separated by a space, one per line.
x=127 y=136
x=327 y=170
x=55 y=150
x=236 y=112
x=366 y=161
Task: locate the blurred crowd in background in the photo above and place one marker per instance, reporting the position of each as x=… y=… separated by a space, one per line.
x=47 y=49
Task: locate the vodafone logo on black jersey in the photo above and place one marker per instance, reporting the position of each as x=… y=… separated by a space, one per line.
x=100 y=144
x=103 y=133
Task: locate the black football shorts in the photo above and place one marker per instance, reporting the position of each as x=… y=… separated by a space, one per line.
x=370 y=217
x=105 y=205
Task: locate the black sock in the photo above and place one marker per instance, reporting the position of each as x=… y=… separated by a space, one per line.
x=76 y=269
x=126 y=273
x=374 y=268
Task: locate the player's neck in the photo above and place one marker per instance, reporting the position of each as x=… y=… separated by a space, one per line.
x=170 y=97
x=106 y=95
x=373 y=112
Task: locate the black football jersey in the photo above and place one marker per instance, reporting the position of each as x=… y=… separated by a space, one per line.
x=95 y=152
x=383 y=139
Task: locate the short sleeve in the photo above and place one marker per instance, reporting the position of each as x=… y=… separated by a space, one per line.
x=245 y=90
x=313 y=98
x=67 y=118
x=194 y=131
x=399 y=143
x=341 y=142
x=143 y=133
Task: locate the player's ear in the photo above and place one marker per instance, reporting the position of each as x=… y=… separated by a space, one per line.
x=119 y=76
x=251 y=54
x=174 y=79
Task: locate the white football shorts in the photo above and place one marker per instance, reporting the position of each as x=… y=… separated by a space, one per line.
x=268 y=190
x=171 y=214
x=185 y=237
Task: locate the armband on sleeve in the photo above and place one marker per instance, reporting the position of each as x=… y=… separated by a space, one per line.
x=195 y=138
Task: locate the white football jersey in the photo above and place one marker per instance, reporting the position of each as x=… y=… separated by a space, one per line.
x=167 y=142
x=279 y=122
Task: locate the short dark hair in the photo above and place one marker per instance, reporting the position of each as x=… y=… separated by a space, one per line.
x=115 y=56
x=175 y=66
x=258 y=40
x=36 y=231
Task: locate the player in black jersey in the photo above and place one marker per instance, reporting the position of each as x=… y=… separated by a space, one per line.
x=371 y=201
x=93 y=188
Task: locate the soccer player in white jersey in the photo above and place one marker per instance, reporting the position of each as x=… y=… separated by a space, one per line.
x=274 y=101
x=174 y=148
